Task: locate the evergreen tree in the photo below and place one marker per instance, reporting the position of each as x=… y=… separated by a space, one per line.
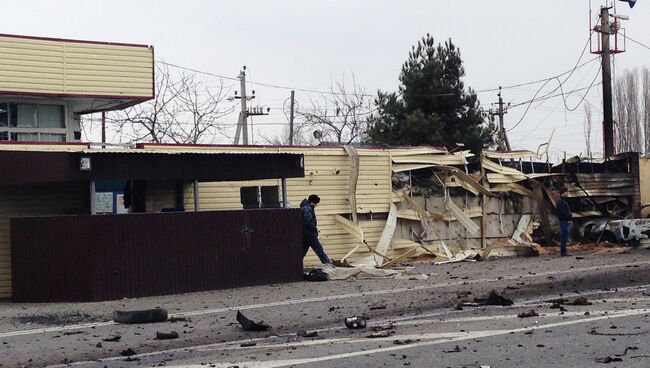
x=432 y=106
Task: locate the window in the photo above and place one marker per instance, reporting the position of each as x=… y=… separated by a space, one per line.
x=4 y=115
x=32 y=122
x=50 y=116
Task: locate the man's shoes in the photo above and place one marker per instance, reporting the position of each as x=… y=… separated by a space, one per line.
x=566 y=255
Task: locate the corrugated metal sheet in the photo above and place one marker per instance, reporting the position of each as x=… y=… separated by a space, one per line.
x=75 y=68
x=34 y=200
x=327 y=173
x=91 y=258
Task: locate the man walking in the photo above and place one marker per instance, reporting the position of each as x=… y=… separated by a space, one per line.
x=564 y=214
x=310 y=229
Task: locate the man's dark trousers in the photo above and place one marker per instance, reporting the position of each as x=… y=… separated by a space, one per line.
x=313 y=242
x=565 y=226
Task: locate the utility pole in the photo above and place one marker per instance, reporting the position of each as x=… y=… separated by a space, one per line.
x=242 y=123
x=608 y=120
x=504 y=144
x=293 y=94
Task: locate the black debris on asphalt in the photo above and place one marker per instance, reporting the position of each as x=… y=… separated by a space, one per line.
x=528 y=314
x=166 y=335
x=250 y=325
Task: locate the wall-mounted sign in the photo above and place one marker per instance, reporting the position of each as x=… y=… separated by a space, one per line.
x=104 y=202
x=85 y=164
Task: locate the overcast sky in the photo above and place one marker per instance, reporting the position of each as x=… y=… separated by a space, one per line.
x=307 y=44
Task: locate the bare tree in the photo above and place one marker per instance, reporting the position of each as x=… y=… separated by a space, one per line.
x=200 y=114
x=628 y=113
x=184 y=110
x=587 y=127
x=340 y=116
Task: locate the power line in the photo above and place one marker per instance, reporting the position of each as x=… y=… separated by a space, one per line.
x=637 y=42
x=570 y=73
x=309 y=90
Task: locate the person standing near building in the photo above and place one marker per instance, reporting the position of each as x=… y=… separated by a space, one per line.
x=310 y=229
x=564 y=214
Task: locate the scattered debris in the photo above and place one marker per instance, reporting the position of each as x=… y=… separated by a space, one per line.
x=166 y=335
x=128 y=352
x=68 y=333
x=355 y=323
x=174 y=319
x=140 y=316
x=377 y=307
x=99 y=345
x=377 y=334
x=596 y=332
x=530 y=313
x=57 y=319
x=249 y=325
x=114 y=338
x=388 y=326
x=303 y=333
x=558 y=306
x=247 y=344
x=608 y=359
x=494 y=299
x=581 y=300
x=456 y=349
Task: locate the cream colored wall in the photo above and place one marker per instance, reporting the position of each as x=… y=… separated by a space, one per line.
x=33 y=200
x=327 y=173
x=644 y=179
x=78 y=68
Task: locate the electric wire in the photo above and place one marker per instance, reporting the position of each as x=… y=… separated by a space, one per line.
x=309 y=90
x=582 y=53
x=637 y=42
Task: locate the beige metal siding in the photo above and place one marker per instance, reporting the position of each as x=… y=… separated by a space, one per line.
x=33 y=200
x=644 y=179
x=40 y=66
x=327 y=173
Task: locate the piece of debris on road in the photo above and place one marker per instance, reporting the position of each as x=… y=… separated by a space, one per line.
x=250 y=325
x=304 y=333
x=166 y=335
x=528 y=314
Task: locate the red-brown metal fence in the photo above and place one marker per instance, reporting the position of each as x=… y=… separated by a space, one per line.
x=104 y=257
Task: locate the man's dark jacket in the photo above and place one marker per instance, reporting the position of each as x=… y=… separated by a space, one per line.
x=563 y=210
x=309 y=223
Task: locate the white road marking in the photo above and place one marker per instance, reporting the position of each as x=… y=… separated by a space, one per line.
x=437 y=340
x=333 y=297
x=405 y=320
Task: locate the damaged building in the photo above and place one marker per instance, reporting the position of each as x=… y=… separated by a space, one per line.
x=382 y=206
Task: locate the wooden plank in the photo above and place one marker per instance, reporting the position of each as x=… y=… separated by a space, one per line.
x=465 y=220
x=398 y=259
x=384 y=240
x=512 y=187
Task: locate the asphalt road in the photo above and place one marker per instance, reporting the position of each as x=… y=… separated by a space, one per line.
x=615 y=327
x=425 y=322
